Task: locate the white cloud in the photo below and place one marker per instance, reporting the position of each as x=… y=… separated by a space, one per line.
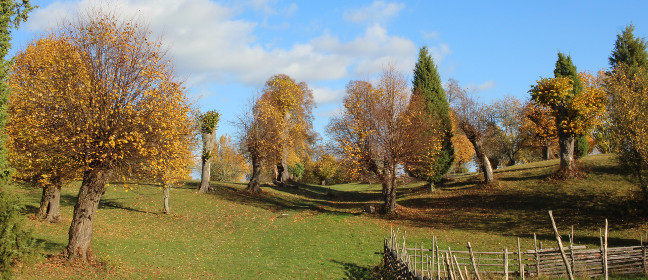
x=379 y=11
x=327 y=95
x=434 y=35
x=210 y=42
x=482 y=87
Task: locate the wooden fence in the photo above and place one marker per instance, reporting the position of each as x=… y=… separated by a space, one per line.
x=417 y=262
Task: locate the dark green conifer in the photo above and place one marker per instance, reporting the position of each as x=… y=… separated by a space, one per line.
x=427 y=84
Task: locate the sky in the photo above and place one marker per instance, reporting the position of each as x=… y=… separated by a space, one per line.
x=226 y=50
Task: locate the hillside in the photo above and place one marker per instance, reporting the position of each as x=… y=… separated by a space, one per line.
x=320 y=233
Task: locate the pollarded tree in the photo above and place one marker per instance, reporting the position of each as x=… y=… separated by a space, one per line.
x=325 y=168
x=208 y=122
x=121 y=110
x=472 y=119
x=508 y=114
x=575 y=109
x=427 y=87
x=379 y=129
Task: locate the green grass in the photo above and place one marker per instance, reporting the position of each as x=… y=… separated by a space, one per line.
x=315 y=232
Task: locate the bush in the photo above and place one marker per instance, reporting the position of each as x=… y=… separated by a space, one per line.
x=581 y=146
x=16 y=243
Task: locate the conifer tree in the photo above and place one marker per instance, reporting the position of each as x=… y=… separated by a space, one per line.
x=629 y=49
x=566 y=68
x=427 y=85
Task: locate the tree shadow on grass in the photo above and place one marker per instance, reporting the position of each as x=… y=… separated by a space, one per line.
x=355 y=272
x=114 y=204
x=272 y=202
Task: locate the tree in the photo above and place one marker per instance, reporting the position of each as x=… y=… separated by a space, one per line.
x=629 y=50
x=379 y=129
x=576 y=109
x=228 y=165
x=296 y=170
x=628 y=87
x=507 y=115
x=120 y=112
x=36 y=162
x=208 y=124
x=325 y=168
x=277 y=126
x=541 y=124
x=473 y=121
x=12 y=15
x=427 y=86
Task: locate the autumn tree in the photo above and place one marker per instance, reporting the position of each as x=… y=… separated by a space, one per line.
x=325 y=168
x=228 y=165
x=277 y=128
x=507 y=116
x=627 y=87
x=540 y=123
x=427 y=87
x=208 y=122
x=472 y=120
x=574 y=108
x=121 y=110
x=379 y=129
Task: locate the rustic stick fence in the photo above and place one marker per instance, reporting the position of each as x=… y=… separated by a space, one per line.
x=417 y=262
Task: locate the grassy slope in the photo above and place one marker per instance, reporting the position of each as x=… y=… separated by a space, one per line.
x=315 y=233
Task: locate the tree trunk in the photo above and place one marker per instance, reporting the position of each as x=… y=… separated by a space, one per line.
x=547 y=154
x=482 y=159
x=80 y=234
x=254 y=185
x=389 y=191
x=323 y=182
x=566 y=143
x=208 y=145
x=166 y=190
x=50 y=209
x=431 y=186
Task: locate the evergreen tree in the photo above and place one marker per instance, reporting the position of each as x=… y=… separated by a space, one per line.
x=427 y=84
x=12 y=14
x=629 y=50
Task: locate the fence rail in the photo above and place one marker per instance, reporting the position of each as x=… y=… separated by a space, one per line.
x=417 y=262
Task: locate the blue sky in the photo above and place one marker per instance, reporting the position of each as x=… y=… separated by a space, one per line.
x=226 y=50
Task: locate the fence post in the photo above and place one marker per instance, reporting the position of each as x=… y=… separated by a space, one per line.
x=519 y=258
x=454 y=257
x=472 y=260
x=560 y=246
x=537 y=254
x=506 y=264
x=605 y=249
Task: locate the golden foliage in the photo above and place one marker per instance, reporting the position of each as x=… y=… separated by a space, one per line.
x=574 y=114
x=99 y=94
x=227 y=163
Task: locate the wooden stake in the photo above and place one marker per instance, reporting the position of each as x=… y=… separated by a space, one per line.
x=537 y=254
x=437 y=258
x=458 y=267
x=605 y=249
x=571 y=249
x=432 y=264
x=523 y=271
x=560 y=246
x=466 y=271
x=448 y=266
x=472 y=260
x=519 y=251
x=506 y=264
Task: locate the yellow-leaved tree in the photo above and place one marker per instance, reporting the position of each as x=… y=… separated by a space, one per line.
x=109 y=104
x=277 y=128
x=577 y=103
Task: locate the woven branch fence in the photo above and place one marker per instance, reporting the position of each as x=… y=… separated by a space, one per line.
x=417 y=262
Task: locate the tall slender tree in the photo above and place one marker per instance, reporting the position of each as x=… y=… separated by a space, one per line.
x=428 y=88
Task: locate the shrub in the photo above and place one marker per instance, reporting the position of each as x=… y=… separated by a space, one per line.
x=16 y=243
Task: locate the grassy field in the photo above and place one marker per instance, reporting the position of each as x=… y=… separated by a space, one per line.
x=315 y=232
